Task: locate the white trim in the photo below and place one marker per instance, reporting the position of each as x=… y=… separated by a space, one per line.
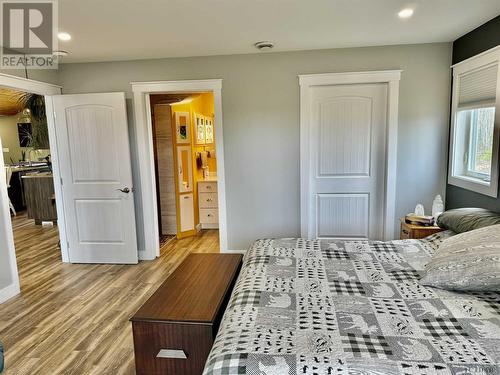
x=306 y=82
x=56 y=173
x=490 y=189
x=144 y=138
x=13 y=288
x=177 y=86
x=236 y=252
x=40 y=88
x=466 y=61
x=9 y=291
x=29 y=85
x=382 y=76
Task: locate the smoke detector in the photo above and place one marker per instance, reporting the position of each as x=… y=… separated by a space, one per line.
x=264 y=45
x=60 y=53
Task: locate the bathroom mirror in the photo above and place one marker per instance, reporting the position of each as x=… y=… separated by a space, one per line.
x=185 y=169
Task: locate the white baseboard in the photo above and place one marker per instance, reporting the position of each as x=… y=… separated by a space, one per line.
x=234 y=251
x=210 y=226
x=144 y=255
x=8 y=292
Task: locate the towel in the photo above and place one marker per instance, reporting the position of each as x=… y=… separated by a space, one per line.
x=204 y=159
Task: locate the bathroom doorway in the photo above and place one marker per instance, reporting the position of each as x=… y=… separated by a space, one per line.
x=185 y=160
x=148 y=234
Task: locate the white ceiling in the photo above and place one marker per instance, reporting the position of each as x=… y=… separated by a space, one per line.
x=104 y=30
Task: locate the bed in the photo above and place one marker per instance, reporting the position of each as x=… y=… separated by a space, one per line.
x=352 y=307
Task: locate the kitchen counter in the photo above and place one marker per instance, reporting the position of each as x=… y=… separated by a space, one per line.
x=26 y=168
x=40 y=198
x=16 y=189
x=38 y=175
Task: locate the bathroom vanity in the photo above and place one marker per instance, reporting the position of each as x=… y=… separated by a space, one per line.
x=208 y=202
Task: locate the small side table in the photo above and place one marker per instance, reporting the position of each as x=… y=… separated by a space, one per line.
x=417 y=231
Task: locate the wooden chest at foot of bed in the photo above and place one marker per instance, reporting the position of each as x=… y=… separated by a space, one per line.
x=174 y=330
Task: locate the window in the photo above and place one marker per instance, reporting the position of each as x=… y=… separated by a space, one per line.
x=475 y=138
x=479 y=127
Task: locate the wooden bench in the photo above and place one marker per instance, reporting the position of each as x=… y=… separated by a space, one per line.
x=174 y=330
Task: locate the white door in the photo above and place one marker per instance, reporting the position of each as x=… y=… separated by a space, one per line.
x=347 y=161
x=95 y=167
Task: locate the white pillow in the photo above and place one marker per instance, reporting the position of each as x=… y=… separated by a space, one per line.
x=469 y=261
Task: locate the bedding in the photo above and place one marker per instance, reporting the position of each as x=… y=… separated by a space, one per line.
x=468 y=261
x=352 y=307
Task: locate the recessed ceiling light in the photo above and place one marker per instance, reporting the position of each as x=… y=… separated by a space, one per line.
x=405 y=13
x=264 y=45
x=64 y=36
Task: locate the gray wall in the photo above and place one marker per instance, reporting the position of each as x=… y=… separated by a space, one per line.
x=261 y=122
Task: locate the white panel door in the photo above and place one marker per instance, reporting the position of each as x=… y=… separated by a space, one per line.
x=347 y=171
x=95 y=166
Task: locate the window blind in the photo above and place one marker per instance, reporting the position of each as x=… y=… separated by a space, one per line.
x=478 y=87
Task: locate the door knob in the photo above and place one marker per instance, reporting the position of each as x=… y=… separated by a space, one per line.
x=125 y=190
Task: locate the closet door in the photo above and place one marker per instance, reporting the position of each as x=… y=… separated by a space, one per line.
x=348 y=156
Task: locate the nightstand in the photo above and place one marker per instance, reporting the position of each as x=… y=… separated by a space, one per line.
x=416 y=231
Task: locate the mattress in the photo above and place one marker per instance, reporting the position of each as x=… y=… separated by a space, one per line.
x=351 y=307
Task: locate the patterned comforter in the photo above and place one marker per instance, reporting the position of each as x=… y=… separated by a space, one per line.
x=352 y=307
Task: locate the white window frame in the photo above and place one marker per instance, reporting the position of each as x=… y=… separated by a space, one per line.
x=470 y=182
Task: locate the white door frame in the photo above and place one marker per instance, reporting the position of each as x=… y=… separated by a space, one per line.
x=46 y=89
x=144 y=136
x=307 y=82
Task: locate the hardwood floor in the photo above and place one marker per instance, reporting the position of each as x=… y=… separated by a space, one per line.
x=72 y=318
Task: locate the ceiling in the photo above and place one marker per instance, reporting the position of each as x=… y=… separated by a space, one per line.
x=142 y=29
x=169 y=98
x=11 y=101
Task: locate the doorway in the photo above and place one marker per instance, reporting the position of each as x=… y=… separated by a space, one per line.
x=29 y=189
x=90 y=154
x=143 y=92
x=185 y=163
x=348 y=154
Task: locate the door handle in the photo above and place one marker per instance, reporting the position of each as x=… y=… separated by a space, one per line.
x=125 y=190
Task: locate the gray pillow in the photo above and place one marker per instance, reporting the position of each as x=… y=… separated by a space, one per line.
x=468 y=262
x=465 y=219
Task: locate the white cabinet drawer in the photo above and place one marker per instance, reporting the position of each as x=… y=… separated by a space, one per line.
x=209 y=216
x=207 y=186
x=208 y=200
